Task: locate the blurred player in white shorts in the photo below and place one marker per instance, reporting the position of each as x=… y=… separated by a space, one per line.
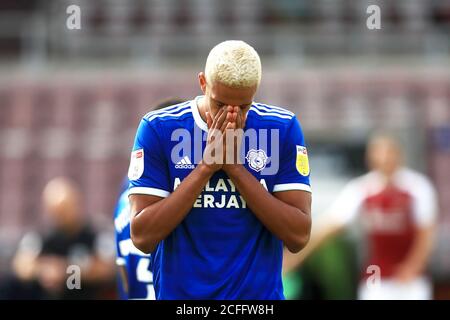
x=397 y=208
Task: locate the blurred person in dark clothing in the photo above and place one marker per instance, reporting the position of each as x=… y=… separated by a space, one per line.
x=44 y=263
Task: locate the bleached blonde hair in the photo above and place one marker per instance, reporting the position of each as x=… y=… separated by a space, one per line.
x=233 y=63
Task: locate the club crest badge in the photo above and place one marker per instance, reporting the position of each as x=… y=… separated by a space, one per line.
x=257 y=159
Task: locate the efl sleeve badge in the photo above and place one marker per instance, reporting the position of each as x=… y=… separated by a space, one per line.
x=136 y=168
x=302 y=163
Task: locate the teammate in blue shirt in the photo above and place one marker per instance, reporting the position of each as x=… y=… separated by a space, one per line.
x=136 y=279
x=135 y=276
x=218 y=185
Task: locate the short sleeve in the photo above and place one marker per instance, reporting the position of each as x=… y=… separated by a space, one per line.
x=425 y=205
x=345 y=208
x=294 y=168
x=148 y=172
x=31 y=244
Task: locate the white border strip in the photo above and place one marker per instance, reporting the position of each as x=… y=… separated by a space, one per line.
x=149 y=191
x=291 y=186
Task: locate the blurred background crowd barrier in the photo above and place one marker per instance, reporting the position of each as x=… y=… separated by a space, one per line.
x=70 y=100
x=163 y=31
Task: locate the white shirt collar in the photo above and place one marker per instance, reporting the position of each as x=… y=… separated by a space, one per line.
x=196 y=114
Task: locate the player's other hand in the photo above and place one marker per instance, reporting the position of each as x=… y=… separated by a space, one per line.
x=51 y=273
x=405 y=273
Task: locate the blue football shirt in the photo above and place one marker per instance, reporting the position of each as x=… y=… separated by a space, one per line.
x=220 y=250
x=137 y=264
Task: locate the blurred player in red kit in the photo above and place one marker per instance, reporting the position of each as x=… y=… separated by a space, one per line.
x=397 y=207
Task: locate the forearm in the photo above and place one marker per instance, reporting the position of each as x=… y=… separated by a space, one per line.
x=288 y=223
x=319 y=235
x=155 y=222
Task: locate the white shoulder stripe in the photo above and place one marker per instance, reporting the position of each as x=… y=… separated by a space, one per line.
x=158 y=112
x=170 y=109
x=170 y=114
x=279 y=109
x=265 y=109
x=273 y=114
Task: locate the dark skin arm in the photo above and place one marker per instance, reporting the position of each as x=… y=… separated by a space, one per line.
x=154 y=218
x=417 y=258
x=286 y=214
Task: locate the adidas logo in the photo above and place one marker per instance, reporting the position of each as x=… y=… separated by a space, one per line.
x=184 y=163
